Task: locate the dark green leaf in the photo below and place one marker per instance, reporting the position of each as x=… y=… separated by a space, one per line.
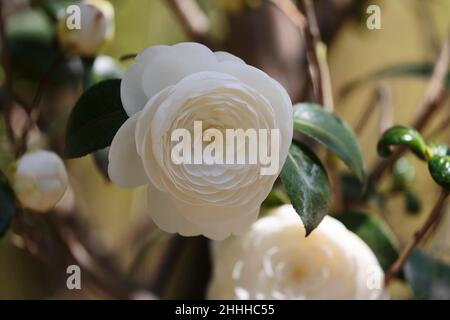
x=101 y=162
x=7 y=206
x=375 y=233
x=439 y=167
x=428 y=277
x=276 y=197
x=306 y=183
x=325 y=127
x=438 y=149
x=412 y=203
x=402 y=135
x=95 y=119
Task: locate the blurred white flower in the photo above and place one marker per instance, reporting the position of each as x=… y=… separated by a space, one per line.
x=39 y=180
x=170 y=87
x=274 y=260
x=96 y=28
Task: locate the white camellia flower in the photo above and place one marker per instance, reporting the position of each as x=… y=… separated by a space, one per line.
x=170 y=87
x=274 y=260
x=39 y=180
x=91 y=31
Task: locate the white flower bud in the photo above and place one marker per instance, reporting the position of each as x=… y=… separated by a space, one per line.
x=86 y=33
x=40 y=180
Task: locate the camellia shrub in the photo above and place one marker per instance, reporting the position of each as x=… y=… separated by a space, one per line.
x=249 y=189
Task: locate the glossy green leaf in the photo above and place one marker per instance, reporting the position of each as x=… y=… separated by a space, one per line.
x=95 y=119
x=402 y=135
x=328 y=129
x=439 y=167
x=438 y=149
x=429 y=277
x=306 y=183
x=7 y=206
x=375 y=233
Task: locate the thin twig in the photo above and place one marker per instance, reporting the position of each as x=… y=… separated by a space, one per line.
x=299 y=20
x=435 y=95
x=194 y=21
x=418 y=236
x=440 y=128
x=34 y=111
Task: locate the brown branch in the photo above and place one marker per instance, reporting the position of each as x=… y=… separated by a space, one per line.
x=386 y=116
x=34 y=111
x=435 y=95
x=418 y=236
x=193 y=19
x=440 y=128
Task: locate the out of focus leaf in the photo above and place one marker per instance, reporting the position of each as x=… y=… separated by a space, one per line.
x=53 y=8
x=276 y=197
x=95 y=119
x=7 y=206
x=412 y=203
x=375 y=233
x=103 y=68
x=403 y=174
x=307 y=185
x=439 y=167
x=328 y=129
x=428 y=277
x=423 y=70
x=402 y=135
x=101 y=162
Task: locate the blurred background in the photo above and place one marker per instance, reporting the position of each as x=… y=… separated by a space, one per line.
x=412 y=33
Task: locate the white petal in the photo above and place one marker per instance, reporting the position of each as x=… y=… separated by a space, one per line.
x=168 y=214
x=125 y=165
x=131 y=91
x=226 y=56
x=174 y=63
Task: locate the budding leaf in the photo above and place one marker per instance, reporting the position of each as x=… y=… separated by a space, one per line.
x=375 y=233
x=428 y=277
x=306 y=183
x=328 y=129
x=7 y=207
x=439 y=167
x=402 y=135
x=95 y=119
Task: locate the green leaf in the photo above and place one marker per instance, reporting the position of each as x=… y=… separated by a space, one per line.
x=423 y=70
x=428 y=277
x=95 y=119
x=402 y=135
x=103 y=68
x=439 y=167
x=325 y=127
x=412 y=203
x=375 y=233
x=7 y=206
x=306 y=183
x=276 y=197
x=439 y=149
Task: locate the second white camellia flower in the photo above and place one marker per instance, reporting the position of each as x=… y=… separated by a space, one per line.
x=170 y=87
x=274 y=260
x=39 y=180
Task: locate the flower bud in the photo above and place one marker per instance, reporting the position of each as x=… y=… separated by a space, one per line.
x=85 y=30
x=39 y=180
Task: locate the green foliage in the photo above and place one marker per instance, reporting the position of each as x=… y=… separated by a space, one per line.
x=95 y=119
x=7 y=205
x=428 y=277
x=439 y=167
x=412 y=203
x=307 y=186
x=402 y=135
x=403 y=175
x=328 y=129
x=375 y=233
